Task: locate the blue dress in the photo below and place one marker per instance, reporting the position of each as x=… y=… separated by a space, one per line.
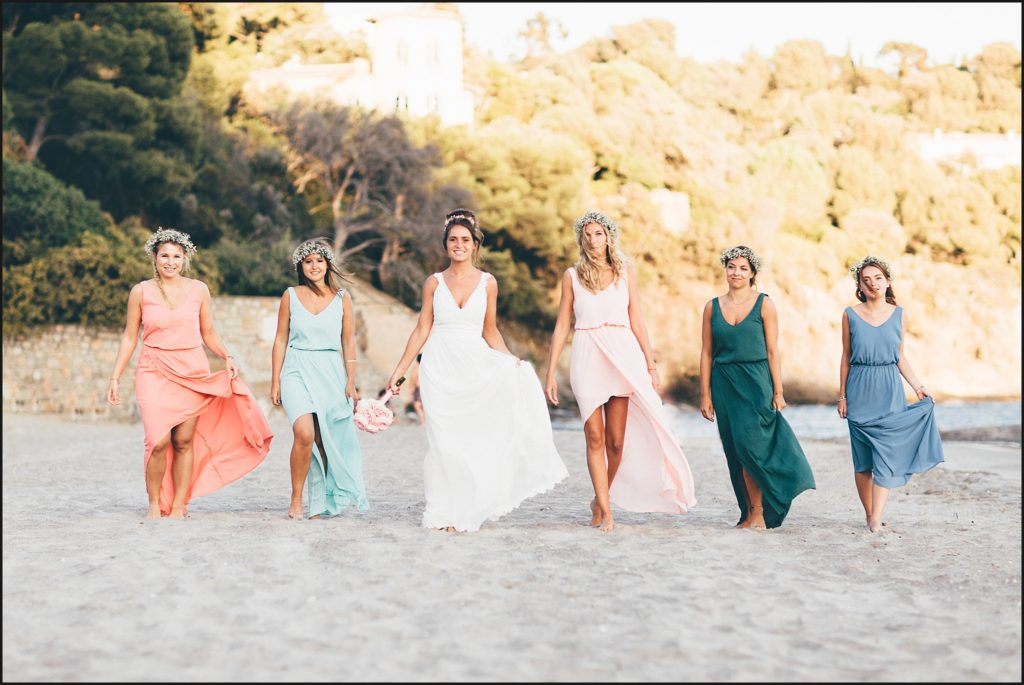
x=890 y=438
x=313 y=381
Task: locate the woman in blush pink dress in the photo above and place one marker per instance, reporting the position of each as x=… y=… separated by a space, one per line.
x=202 y=430
x=634 y=460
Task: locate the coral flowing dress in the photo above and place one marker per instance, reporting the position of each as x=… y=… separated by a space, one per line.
x=889 y=438
x=173 y=383
x=488 y=429
x=607 y=362
x=313 y=381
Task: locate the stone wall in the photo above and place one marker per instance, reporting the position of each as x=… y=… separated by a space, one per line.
x=65 y=369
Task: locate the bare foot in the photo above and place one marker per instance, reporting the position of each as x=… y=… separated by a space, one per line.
x=295 y=510
x=745 y=523
x=608 y=526
x=756 y=519
x=154 y=511
x=177 y=513
x=875 y=526
x=595 y=513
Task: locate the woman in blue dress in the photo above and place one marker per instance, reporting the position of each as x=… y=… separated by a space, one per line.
x=314 y=324
x=890 y=440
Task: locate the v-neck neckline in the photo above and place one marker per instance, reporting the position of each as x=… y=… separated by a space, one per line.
x=471 y=292
x=306 y=309
x=741 y=321
x=891 y=314
x=165 y=301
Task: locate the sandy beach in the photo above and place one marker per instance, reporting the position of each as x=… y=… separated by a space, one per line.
x=238 y=592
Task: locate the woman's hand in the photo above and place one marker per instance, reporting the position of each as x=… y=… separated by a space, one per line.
x=112 y=395
x=922 y=392
x=842 y=408
x=393 y=384
x=275 y=393
x=778 y=402
x=707 y=409
x=350 y=390
x=231 y=367
x=655 y=379
x=551 y=390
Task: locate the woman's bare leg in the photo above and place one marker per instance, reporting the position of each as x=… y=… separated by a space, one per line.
x=303 y=435
x=155 y=469
x=755 y=513
x=594 y=432
x=864 y=482
x=878 y=497
x=182 y=436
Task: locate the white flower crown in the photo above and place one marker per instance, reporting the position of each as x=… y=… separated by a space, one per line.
x=310 y=247
x=169 y=235
x=459 y=214
x=734 y=252
x=870 y=261
x=596 y=218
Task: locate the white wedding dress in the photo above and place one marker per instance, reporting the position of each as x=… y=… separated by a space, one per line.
x=489 y=434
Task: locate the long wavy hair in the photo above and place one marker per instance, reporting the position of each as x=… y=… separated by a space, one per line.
x=333 y=277
x=882 y=266
x=589 y=266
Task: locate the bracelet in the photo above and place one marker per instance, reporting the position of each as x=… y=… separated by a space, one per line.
x=842 y=399
x=652 y=368
x=228 y=356
x=351 y=360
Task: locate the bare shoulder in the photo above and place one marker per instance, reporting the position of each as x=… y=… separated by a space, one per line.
x=202 y=286
x=766 y=304
x=430 y=284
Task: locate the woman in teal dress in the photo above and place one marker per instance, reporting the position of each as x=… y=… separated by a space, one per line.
x=741 y=382
x=890 y=440
x=314 y=323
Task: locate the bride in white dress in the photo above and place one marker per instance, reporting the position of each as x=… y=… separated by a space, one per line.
x=489 y=434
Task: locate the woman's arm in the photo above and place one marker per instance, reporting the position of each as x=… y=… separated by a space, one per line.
x=280 y=348
x=844 y=365
x=210 y=337
x=349 y=354
x=770 y=317
x=707 y=407
x=636 y=323
x=491 y=334
x=904 y=364
x=129 y=338
x=559 y=336
x=419 y=334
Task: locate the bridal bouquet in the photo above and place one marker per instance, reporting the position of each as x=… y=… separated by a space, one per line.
x=373 y=415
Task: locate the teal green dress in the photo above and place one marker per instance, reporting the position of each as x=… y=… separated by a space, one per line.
x=313 y=381
x=755 y=436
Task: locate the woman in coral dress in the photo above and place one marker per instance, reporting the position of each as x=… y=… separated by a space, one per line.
x=489 y=434
x=202 y=430
x=634 y=460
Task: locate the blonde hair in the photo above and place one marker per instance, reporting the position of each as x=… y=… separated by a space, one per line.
x=588 y=268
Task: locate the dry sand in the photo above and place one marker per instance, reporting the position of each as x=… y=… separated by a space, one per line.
x=239 y=592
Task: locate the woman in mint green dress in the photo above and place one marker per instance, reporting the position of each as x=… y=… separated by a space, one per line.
x=314 y=324
x=741 y=382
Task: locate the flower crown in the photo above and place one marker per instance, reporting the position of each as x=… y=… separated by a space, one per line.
x=169 y=235
x=870 y=261
x=459 y=214
x=734 y=252
x=310 y=247
x=596 y=218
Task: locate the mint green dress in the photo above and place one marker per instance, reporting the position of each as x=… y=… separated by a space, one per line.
x=313 y=381
x=755 y=436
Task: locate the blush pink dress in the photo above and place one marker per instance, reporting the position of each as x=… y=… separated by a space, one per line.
x=607 y=362
x=173 y=383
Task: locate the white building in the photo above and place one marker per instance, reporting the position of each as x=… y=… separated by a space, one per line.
x=415 y=68
x=989 y=150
